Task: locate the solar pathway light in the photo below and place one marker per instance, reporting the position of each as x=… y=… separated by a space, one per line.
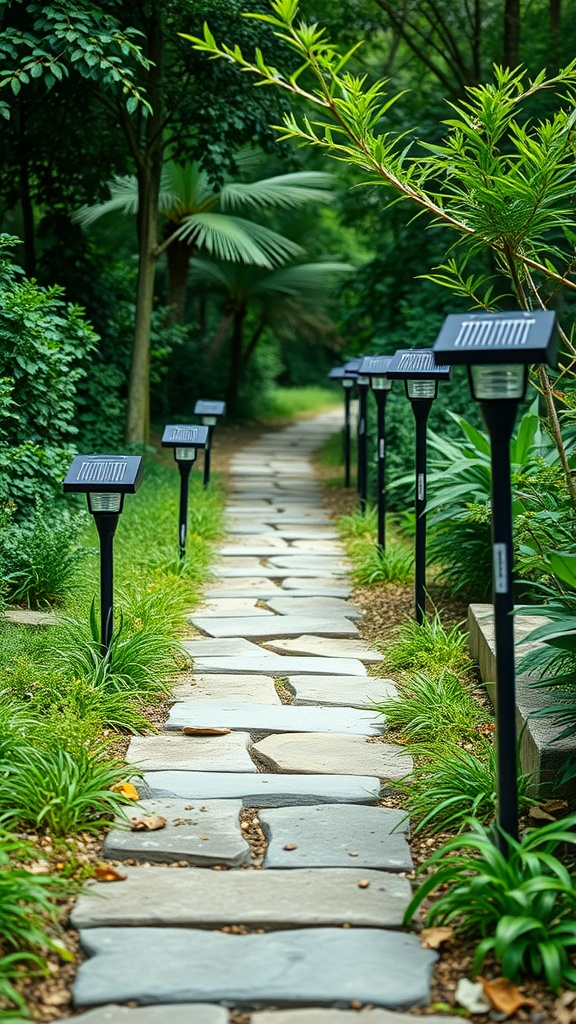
x=352 y=371
x=497 y=349
x=339 y=373
x=185 y=439
x=105 y=479
x=209 y=412
x=375 y=368
x=420 y=372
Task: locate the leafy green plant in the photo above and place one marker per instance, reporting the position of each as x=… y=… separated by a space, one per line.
x=435 y=707
x=372 y=565
x=428 y=645
x=450 y=784
x=50 y=789
x=285 y=403
x=523 y=904
x=41 y=557
x=359 y=525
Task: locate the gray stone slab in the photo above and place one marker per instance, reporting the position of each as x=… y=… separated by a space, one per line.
x=253 y=550
x=316 y=606
x=233 y=648
x=331 y=836
x=269 y=718
x=28 y=617
x=261 y=790
x=192 y=1013
x=245 y=528
x=283 y=667
x=315 y=546
x=334 y=588
x=207 y=837
x=307 y=533
x=243 y=689
x=367 y=1016
x=240 y=607
x=275 y=626
x=275 y=572
x=303 y=898
x=327 y=966
x=312 y=563
x=257 y=587
x=173 y=752
x=318 y=752
x=340 y=691
x=310 y=645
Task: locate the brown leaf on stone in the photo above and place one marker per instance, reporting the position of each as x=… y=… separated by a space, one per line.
x=106 y=873
x=192 y=730
x=290 y=846
x=539 y=816
x=504 y=996
x=555 y=807
x=433 y=938
x=148 y=822
x=363 y=884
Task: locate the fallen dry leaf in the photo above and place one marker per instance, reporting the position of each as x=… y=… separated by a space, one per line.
x=554 y=806
x=106 y=873
x=538 y=815
x=149 y=822
x=127 y=790
x=363 y=884
x=290 y=846
x=433 y=938
x=505 y=996
x=192 y=730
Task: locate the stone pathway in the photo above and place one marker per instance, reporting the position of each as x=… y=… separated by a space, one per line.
x=310 y=932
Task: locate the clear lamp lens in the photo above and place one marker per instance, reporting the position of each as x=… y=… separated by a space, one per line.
x=381 y=384
x=363 y=381
x=421 y=388
x=496 y=382
x=100 y=502
x=209 y=421
x=185 y=454
x=347 y=382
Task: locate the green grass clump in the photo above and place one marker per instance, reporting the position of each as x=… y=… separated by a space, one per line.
x=371 y=565
x=41 y=558
x=428 y=646
x=358 y=525
x=432 y=708
x=285 y=403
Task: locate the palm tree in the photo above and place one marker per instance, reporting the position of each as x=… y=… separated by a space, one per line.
x=286 y=300
x=199 y=216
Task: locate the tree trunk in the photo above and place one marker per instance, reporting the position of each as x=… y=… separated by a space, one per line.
x=511 y=34
x=28 y=226
x=235 y=374
x=178 y=255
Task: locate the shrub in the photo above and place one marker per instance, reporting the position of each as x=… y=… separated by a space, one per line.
x=40 y=557
x=522 y=903
x=434 y=707
x=428 y=645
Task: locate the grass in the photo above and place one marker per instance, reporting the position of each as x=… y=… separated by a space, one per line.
x=429 y=646
x=432 y=708
x=286 y=403
x=371 y=565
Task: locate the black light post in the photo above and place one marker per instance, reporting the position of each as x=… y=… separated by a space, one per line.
x=497 y=349
x=339 y=373
x=185 y=441
x=209 y=413
x=352 y=372
x=105 y=479
x=375 y=368
x=420 y=373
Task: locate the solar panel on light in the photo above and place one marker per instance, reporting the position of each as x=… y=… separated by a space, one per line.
x=120 y=474
x=514 y=337
x=416 y=364
x=204 y=407
x=352 y=367
x=375 y=366
x=184 y=435
x=337 y=372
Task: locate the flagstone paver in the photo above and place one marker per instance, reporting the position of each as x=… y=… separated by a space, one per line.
x=261 y=789
x=300 y=898
x=269 y=718
x=367 y=1016
x=202 y=837
x=329 y=966
x=336 y=835
x=277 y=610
x=176 y=752
x=319 y=752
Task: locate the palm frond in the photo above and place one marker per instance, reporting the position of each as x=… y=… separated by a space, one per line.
x=236 y=239
x=283 y=190
x=123 y=199
x=184 y=190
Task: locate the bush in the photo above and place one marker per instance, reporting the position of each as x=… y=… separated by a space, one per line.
x=40 y=558
x=433 y=708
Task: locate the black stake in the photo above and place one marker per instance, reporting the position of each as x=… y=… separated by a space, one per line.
x=347 y=445
x=207 y=458
x=362 y=443
x=106 y=524
x=381 y=396
x=421 y=409
x=184 y=470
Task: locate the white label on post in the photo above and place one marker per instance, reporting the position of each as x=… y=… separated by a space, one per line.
x=500 y=569
x=381 y=447
x=421 y=486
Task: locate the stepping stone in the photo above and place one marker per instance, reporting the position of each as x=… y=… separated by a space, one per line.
x=236 y=648
x=276 y=665
x=275 y=572
x=335 y=754
x=28 y=617
x=229 y=607
x=244 y=528
x=252 y=586
x=150 y=897
x=274 y=626
x=210 y=836
x=242 y=689
x=340 y=691
x=169 y=752
x=330 y=588
x=260 y=790
x=312 y=533
x=190 y=1013
x=318 y=547
x=330 y=836
x=264 y=719
x=253 y=550
x=321 y=563
x=306 y=606
x=318 y=1016
x=320 y=646
x=329 y=966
